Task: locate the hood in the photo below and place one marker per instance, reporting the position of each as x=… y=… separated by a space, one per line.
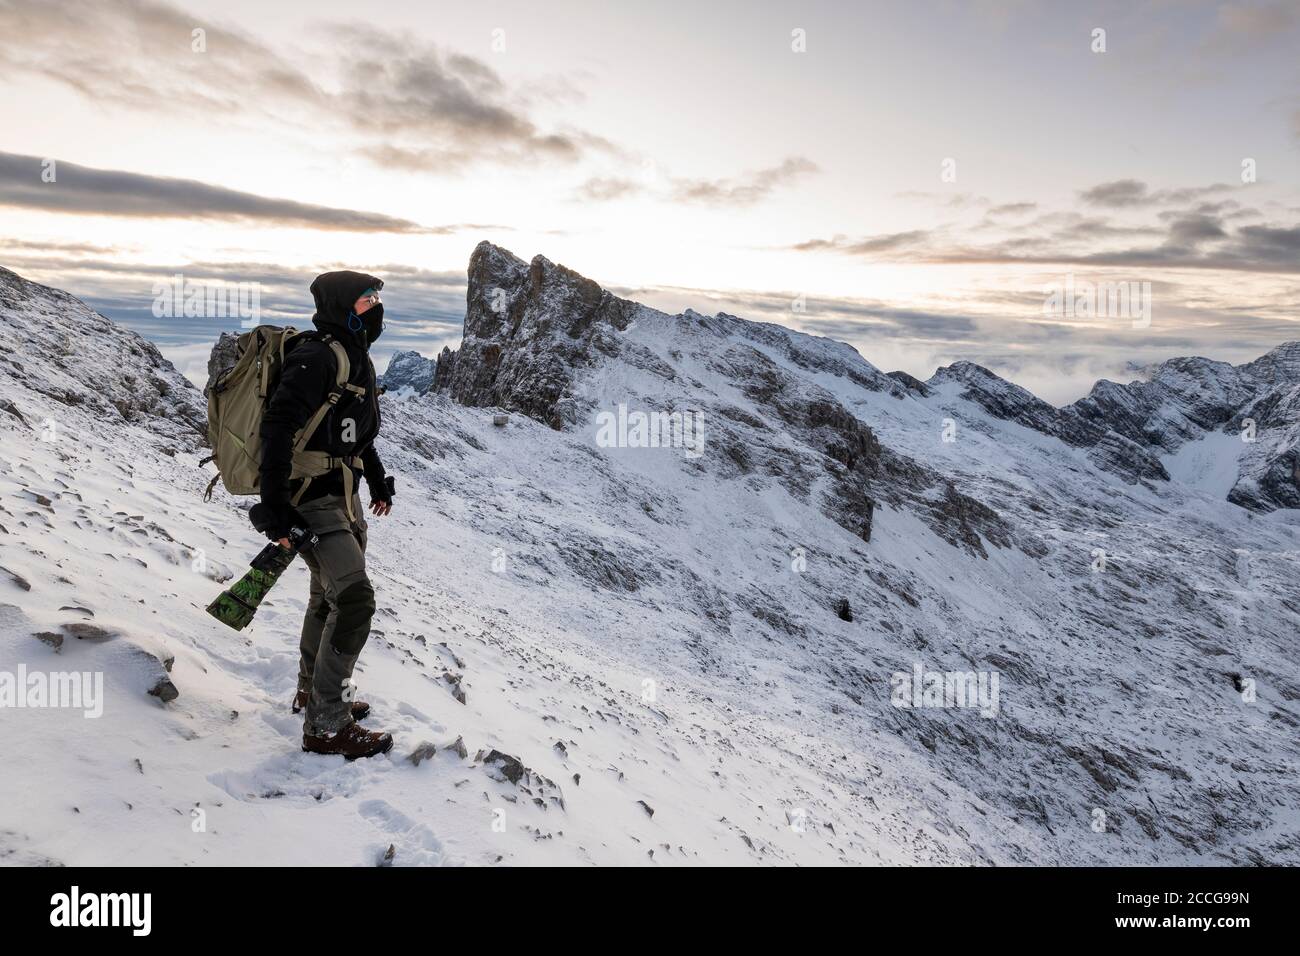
x=335 y=294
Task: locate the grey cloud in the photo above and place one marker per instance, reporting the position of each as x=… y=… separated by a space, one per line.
x=440 y=110
x=433 y=110
x=1121 y=192
x=604 y=189
x=1133 y=192
x=951 y=200
x=64 y=248
x=424 y=307
x=743 y=190
x=869 y=245
x=1189 y=231
x=1013 y=209
x=417 y=108
x=83 y=189
x=1198 y=237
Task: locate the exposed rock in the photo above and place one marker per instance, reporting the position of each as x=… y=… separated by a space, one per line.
x=510 y=768
x=1268 y=482
x=9 y=408
x=164 y=690
x=85 y=631
x=911 y=383
x=1268 y=470
x=224 y=354
x=17 y=578
x=505 y=768
x=1176 y=401
x=409 y=372
x=533 y=330
x=1010 y=402
x=605 y=569
x=1117 y=454
x=453 y=680
x=422 y=753
x=527 y=327
x=1126 y=427
x=52 y=638
x=119 y=375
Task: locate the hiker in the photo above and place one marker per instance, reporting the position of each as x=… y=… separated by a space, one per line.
x=341 y=449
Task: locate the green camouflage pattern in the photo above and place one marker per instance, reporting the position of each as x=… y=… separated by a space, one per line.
x=236 y=606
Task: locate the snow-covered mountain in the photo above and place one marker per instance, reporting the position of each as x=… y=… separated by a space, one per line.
x=408 y=373
x=696 y=650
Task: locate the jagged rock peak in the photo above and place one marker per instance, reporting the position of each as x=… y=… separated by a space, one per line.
x=409 y=372
x=1010 y=402
x=1278 y=366
x=527 y=327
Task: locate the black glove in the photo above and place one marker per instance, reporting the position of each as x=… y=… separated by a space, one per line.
x=382 y=488
x=275 y=518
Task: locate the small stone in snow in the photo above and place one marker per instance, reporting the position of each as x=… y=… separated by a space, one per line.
x=422 y=753
x=164 y=690
x=18 y=579
x=85 y=631
x=49 y=637
x=512 y=768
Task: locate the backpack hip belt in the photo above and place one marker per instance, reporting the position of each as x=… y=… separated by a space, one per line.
x=308 y=465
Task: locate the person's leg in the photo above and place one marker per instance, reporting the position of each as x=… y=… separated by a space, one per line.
x=340 y=555
x=319 y=610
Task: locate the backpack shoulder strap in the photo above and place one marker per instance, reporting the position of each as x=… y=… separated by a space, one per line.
x=343 y=370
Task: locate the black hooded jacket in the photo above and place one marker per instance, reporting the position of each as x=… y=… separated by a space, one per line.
x=305 y=382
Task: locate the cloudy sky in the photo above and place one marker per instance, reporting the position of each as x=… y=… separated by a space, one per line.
x=910 y=177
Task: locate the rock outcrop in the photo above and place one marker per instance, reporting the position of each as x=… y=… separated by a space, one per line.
x=75 y=357
x=538 y=334
x=409 y=373
x=528 y=327
x=1127 y=428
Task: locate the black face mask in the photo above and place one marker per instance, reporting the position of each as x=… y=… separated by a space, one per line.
x=372 y=322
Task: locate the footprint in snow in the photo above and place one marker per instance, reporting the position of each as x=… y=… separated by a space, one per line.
x=416 y=844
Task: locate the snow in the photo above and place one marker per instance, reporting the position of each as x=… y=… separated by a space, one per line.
x=1208 y=465
x=642 y=609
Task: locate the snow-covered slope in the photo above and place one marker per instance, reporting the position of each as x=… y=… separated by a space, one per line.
x=707 y=631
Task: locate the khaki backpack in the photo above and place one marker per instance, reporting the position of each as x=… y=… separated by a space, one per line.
x=237 y=402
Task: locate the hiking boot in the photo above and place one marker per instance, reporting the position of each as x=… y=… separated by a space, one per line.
x=351 y=742
x=360 y=709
